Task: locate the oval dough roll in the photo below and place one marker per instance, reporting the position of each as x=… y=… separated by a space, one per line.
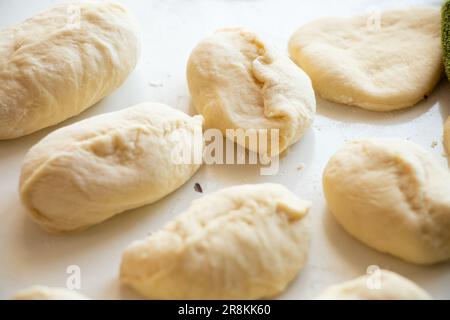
x=62 y=61
x=87 y=172
x=243 y=242
x=377 y=62
x=393 y=196
x=382 y=285
x=238 y=82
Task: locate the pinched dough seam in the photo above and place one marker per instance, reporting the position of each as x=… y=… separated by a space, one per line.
x=403 y=185
x=423 y=211
x=236 y=215
x=190 y=240
x=272 y=85
x=421 y=207
x=89 y=17
x=263 y=85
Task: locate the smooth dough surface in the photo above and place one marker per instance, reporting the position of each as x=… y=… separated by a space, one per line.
x=46 y=293
x=352 y=61
x=385 y=285
x=87 y=172
x=62 y=61
x=393 y=196
x=238 y=82
x=243 y=242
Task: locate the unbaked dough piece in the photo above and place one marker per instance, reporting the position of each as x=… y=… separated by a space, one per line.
x=447 y=135
x=351 y=61
x=243 y=242
x=385 y=285
x=238 y=82
x=62 y=61
x=87 y=172
x=393 y=196
x=46 y=293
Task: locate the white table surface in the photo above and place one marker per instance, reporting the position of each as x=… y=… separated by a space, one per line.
x=172 y=28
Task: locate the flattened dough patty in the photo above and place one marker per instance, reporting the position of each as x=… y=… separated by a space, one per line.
x=353 y=62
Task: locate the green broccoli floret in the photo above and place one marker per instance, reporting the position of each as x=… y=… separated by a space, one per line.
x=445 y=14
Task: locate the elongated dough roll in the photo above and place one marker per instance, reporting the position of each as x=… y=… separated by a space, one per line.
x=62 y=61
x=243 y=242
x=87 y=172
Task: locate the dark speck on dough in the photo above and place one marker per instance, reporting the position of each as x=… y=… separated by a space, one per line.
x=198 y=188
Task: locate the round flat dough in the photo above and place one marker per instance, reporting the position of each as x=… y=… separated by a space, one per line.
x=85 y=173
x=243 y=242
x=382 y=285
x=352 y=61
x=392 y=195
x=238 y=82
x=46 y=293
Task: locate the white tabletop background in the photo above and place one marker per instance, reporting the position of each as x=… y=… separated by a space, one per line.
x=29 y=256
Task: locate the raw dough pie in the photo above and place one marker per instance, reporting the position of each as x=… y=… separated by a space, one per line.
x=87 y=172
x=385 y=285
x=243 y=242
x=392 y=195
x=238 y=82
x=352 y=61
x=62 y=61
